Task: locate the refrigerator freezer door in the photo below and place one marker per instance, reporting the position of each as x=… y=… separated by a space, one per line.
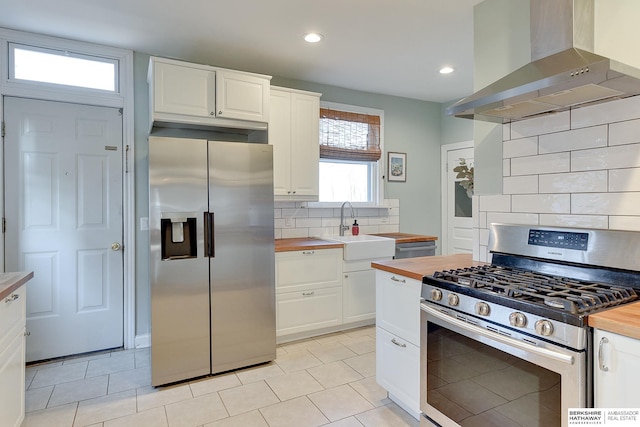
x=179 y=272
x=243 y=268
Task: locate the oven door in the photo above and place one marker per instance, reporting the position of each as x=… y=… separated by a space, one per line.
x=474 y=376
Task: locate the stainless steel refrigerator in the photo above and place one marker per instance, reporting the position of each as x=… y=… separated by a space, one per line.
x=211 y=258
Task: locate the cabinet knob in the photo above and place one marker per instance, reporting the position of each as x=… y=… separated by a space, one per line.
x=220 y=112
x=213 y=113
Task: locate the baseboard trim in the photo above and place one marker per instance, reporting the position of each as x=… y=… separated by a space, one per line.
x=143 y=341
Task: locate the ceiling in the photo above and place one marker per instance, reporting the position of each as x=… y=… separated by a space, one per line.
x=380 y=46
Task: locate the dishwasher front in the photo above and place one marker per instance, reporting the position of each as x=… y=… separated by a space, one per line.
x=415 y=249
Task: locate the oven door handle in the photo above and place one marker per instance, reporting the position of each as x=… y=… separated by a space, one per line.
x=543 y=352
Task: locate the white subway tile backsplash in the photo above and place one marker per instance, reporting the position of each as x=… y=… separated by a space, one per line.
x=291 y=233
x=295 y=213
x=545 y=163
x=541 y=203
x=624 y=180
x=308 y=222
x=540 y=125
x=579 y=139
x=520 y=147
x=506 y=131
x=583 y=221
x=576 y=182
x=484 y=237
x=506 y=167
x=512 y=218
x=606 y=203
x=388 y=228
x=622 y=156
x=482 y=220
x=497 y=203
x=607 y=112
x=525 y=184
x=624 y=132
x=319 y=212
x=624 y=223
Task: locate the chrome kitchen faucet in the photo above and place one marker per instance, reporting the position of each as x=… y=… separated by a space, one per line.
x=342 y=226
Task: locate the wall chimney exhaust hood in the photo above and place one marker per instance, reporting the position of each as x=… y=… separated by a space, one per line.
x=564 y=73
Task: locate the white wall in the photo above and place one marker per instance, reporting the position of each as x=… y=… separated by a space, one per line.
x=577 y=169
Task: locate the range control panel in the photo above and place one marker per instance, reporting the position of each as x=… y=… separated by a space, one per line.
x=559 y=239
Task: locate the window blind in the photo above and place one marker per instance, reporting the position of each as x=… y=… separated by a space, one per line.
x=349 y=136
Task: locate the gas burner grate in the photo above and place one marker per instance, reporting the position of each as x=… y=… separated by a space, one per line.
x=562 y=293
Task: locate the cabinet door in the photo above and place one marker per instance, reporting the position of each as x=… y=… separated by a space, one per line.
x=393 y=291
x=308 y=310
x=398 y=369
x=242 y=96
x=359 y=289
x=616 y=387
x=12 y=362
x=305 y=140
x=280 y=138
x=183 y=90
x=304 y=270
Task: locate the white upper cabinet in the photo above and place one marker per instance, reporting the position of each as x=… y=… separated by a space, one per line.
x=201 y=95
x=242 y=96
x=294 y=133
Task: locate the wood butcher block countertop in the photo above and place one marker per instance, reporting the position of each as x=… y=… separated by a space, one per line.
x=407 y=238
x=305 y=244
x=416 y=268
x=9 y=282
x=623 y=320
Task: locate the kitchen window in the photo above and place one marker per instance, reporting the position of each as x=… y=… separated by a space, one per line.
x=57 y=67
x=350 y=153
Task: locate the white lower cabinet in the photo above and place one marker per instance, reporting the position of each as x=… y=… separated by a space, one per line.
x=398 y=338
x=398 y=370
x=12 y=358
x=359 y=295
x=616 y=375
x=304 y=311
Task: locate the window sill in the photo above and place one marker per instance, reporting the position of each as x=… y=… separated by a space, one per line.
x=339 y=204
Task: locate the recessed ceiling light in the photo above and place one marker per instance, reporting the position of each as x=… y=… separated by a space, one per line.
x=446 y=70
x=313 y=37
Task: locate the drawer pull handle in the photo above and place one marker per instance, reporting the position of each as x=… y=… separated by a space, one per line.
x=12 y=297
x=395 y=279
x=308 y=252
x=393 y=340
x=307 y=294
x=603 y=341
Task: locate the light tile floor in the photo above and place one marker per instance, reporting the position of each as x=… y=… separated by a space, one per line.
x=325 y=381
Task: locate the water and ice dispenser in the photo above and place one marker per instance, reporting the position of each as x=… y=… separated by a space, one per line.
x=178 y=236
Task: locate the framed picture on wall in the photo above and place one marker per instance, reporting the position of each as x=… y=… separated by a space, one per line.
x=397 y=167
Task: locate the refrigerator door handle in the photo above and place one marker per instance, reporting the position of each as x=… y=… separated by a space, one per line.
x=209 y=243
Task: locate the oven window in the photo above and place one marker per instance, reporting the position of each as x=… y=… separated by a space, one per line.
x=477 y=385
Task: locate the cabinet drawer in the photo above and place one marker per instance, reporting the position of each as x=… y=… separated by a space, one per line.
x=398 y=368
x=12 y=315
x=398 y=305
x=308 y=310
x=312 y=269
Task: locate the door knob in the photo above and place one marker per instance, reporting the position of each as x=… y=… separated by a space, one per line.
x=115 y=246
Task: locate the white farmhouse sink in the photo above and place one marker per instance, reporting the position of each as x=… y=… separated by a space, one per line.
x=365 y=246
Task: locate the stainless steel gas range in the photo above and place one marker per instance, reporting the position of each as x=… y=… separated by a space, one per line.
x=507 y=344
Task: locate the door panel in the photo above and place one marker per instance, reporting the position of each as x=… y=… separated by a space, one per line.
x=65 y=165
x=459 y=205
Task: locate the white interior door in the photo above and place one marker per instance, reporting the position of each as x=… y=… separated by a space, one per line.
x=63 y=189
x=457 y=221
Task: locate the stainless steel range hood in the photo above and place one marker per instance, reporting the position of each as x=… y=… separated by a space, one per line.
x=564 y=73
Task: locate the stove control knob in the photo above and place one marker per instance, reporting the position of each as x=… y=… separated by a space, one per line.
x=436 y=294
x=483 y=309
x=544 y=328
x=453 y=299
x=518 y=319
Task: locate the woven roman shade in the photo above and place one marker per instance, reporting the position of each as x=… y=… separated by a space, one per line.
x=349 y=136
